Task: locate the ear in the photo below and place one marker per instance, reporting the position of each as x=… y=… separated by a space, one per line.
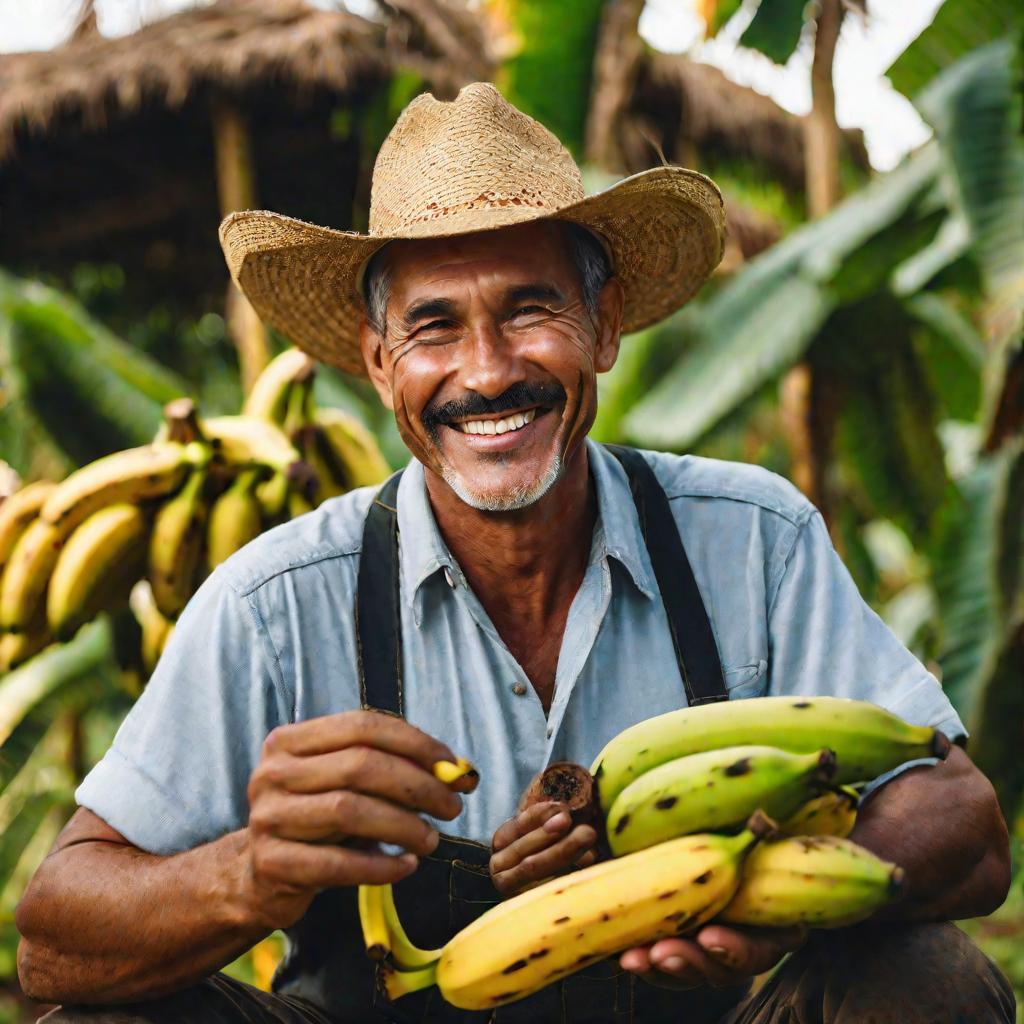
x=372 y=345
x=610 y=303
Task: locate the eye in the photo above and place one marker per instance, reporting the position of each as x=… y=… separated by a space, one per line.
x=435 y=325
x=523 y=310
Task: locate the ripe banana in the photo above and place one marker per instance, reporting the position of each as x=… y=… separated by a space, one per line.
x=574 y=920
x=131 y=476
x=316 y=451
x=268 y=398
x=831 y=814
x=17 y=511
x=156 y=627
x=26 y=577
x=354 y=447
x=272 y=496
x=96 y=567
x=867 y=740
x=17 y=648
x=248 y=441
x=175 y=545
x=235 y=518
x=714 y=790
x=819 y=881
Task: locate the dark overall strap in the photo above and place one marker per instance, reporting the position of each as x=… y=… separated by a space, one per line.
x=378 y=611
x=688 y=620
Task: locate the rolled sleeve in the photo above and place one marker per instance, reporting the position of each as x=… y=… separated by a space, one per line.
x=177 y=772
x=824 y=639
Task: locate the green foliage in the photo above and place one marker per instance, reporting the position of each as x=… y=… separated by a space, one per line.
x=775 y=28
x=959 y=27
x=549 y=76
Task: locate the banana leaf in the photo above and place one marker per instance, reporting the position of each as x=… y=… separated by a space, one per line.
x=775 y=28
x=975 y=108
x=979 y=564
x=958 y=27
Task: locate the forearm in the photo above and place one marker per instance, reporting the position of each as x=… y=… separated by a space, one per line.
x=942 y=825
x=107 y=922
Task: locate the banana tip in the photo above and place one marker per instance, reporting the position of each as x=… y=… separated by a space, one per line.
x=826 y=763
x=761 y=825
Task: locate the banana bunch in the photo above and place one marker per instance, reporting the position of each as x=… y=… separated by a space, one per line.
x=171 y=511
x=685 y=799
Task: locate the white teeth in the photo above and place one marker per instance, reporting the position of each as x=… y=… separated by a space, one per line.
x=513 y=422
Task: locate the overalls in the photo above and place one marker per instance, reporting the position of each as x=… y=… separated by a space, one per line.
x=452 y=886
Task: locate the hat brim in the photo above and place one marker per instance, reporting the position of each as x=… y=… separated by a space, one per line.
x=664 y=229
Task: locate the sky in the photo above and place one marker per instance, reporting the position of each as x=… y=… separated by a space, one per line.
x=864 y=97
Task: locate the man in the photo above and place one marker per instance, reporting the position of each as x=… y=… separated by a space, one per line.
x=508 y=599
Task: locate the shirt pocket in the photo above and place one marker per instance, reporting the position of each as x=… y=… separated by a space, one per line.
x=747 y=680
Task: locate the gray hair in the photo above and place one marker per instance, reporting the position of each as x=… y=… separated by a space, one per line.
x=587 y=254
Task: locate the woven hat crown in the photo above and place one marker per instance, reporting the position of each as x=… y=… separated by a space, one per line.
x=455 y=160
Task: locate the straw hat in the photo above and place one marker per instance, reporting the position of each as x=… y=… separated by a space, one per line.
x=474 y=164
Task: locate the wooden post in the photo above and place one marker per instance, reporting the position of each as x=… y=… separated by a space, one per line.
x=806 y=410
x=236 y=188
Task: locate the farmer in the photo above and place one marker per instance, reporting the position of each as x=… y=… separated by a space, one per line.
x=518 y=595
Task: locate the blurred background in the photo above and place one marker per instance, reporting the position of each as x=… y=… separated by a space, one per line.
x=862 y=335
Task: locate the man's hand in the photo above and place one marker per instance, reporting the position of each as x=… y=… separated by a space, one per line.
x=537 y=844
x=325 y=793
x=717 y=955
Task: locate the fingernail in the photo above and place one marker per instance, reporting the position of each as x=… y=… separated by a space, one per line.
x=718 y=952
x=410 y=861
x=557 y=822
x=673 y=964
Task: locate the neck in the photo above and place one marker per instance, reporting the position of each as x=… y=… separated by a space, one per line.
x=536 y=555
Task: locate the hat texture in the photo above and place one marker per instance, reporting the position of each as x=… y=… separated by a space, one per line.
x=473 y=164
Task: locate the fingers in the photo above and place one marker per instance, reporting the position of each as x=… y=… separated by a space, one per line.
x=367 y=770
x=340 y=815
x=749 y=951
x=681 y=962
x=532 y=818
x=539 y=855
x=358 y=728
x=284 y=864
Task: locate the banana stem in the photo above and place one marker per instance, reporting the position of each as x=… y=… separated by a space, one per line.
x=402 y=983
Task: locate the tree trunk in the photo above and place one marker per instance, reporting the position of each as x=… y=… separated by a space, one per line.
x=807 y=409
x=236 y=188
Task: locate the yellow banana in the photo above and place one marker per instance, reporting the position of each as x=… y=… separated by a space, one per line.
x=268 y=398
x=714 y=790
x=156 y=627
x=248 y=441
x=175 y=545
x=272 y=496
x=316 y=451
x=355 y=447
x=867 y=740
x=17 y=511
x=451 y=771
x=831 y=814
x=27 y=575
x=17 y=648
x=575 y=920
x=235 y=518
x=96 y=567
x=374 y=925
x=819 y=881
x=127 y=476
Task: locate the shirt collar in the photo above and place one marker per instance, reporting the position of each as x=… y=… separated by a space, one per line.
x=424 y=553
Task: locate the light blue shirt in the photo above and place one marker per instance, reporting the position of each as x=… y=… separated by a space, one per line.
x=269 y=638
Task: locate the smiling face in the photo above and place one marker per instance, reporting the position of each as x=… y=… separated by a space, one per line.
x=489 y=358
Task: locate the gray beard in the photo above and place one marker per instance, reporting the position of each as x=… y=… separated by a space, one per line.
x=512 y=500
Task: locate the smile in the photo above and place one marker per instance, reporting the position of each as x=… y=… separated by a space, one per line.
x=516 y=421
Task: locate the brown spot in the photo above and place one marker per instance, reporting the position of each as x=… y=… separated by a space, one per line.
x=516 y=965
x=503 y=996
x=803 y=704
x=606 y=916
x=539 y=954
x=740 y=767
x=561 y=920
x=584 y=959
x=666 y=802
x=667 y=895
x=704 y=879
x=621 y=823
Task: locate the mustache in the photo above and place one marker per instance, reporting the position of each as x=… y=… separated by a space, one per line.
x=519 y=395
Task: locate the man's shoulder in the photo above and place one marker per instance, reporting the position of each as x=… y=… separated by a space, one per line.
x=332 y=531
x=703 y=479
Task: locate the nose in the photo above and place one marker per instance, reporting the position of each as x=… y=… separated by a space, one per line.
x=491 y=364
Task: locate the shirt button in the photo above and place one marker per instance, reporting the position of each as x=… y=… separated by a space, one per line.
x=551 y=732
x=448 y=577
x=518 y=689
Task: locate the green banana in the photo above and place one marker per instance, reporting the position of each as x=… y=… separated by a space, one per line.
x=175 y=545
x=818 y=881
x=575 y=920
x=96 y=567
x=235 y=518
x=711 y=791
x=867 y=740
